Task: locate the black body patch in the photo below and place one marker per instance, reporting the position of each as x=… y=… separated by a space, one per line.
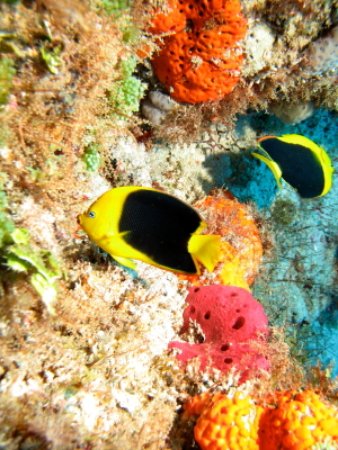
x=299 y=166
x=160 y=226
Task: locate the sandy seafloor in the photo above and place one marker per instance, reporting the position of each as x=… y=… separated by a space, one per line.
x=89 y=367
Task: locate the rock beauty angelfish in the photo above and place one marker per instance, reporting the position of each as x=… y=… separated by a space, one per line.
x=299 y=161
x=145 y=224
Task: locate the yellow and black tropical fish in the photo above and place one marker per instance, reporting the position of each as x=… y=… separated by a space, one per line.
x=141 y=223
x=299 y=161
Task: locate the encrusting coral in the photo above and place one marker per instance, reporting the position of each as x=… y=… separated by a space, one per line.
x=290 y=421
x=202 y=60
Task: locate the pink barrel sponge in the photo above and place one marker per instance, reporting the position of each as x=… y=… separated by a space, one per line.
x=234 y=326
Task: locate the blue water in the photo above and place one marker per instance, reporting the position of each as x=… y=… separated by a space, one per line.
x=297 y=285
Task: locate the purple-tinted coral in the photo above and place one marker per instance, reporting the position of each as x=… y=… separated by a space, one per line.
x=234 y=326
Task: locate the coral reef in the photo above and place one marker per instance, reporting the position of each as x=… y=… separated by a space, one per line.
x=200 y=62
x=233 y=325
x=84 y=359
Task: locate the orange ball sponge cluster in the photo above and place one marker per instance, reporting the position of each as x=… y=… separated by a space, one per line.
x=298 y=421
x=202 y=60
x=294 y=421
x=228 y=423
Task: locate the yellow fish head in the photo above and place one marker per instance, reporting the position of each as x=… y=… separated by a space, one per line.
x=94 y=222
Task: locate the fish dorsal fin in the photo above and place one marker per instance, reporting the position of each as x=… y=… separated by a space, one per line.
x=273 y=166
x=205 y=248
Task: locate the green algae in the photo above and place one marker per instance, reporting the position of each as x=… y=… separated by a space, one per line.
x=18 y=254
x=7 y=72
x=114 y=7
x=91 y=157
x=127 y=92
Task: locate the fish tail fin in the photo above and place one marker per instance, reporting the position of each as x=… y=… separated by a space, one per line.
x=205 y=248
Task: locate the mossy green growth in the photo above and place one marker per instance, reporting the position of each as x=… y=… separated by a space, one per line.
x=127 y=93
x=9 y=2
x=17 y=254
x=39 y=264
x=7 y=72
x=130 y=33
x=91 y=157
x=5 y=133
x=52 y=59
x=6 y=223
x=284 y=211
x=114 y=7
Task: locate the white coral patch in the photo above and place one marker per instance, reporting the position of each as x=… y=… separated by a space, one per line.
x=40 y=223
x=258 y=48
x=21 y=387
x=125 y=400
x=132 y=161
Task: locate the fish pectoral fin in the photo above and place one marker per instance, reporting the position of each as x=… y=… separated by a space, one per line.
x=112 y=244
x=110 y=238
x=273 y=166
x=205 y=248
x=125 y=262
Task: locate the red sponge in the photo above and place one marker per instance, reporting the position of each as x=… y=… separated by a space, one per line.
x=234 y=326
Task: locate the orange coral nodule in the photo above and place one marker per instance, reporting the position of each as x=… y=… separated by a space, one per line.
x=202 y=62
x=229 y=423
x=195 y=405
x=298 y=421
x=241 y=248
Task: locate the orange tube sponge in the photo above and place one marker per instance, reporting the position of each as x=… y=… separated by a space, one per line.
x=228 y=423
x=202 y=60
x=299 y=421
x=241 y=250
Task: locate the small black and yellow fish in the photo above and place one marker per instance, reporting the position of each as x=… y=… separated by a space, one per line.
x=299 y=161
x=141 y=223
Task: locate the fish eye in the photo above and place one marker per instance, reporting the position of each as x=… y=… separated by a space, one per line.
x=91 y=214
